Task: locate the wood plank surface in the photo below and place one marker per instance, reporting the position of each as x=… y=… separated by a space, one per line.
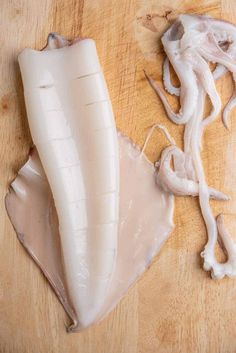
x=175 y=307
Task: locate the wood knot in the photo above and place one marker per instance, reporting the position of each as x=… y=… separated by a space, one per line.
x=149 y=17
x=5 y=103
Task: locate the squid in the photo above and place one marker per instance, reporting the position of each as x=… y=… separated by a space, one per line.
x=191 y=44
x=85 y=206
x=176 y=181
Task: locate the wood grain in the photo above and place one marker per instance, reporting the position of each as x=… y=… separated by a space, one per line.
x=175 y=307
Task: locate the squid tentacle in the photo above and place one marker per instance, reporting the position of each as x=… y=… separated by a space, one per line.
x=229 y=267
x=230 y=105
x=190 y=44
x=168 y=136
x=173 y=183
x=228 y=108
x=186 y=110
x=167 y=79
x=219 y=71
x=204 y=74
x=211 y=51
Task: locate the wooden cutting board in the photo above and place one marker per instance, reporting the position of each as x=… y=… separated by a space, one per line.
x=175 y=307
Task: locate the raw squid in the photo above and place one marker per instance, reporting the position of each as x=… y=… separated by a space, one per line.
x=191 y=43
x=93 y=201
x=73 y=128
x=176 y=181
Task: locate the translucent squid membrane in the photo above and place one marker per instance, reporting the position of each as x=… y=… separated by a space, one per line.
x=146 y=214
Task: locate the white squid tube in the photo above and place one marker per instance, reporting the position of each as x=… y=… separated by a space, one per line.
x=73 y=128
